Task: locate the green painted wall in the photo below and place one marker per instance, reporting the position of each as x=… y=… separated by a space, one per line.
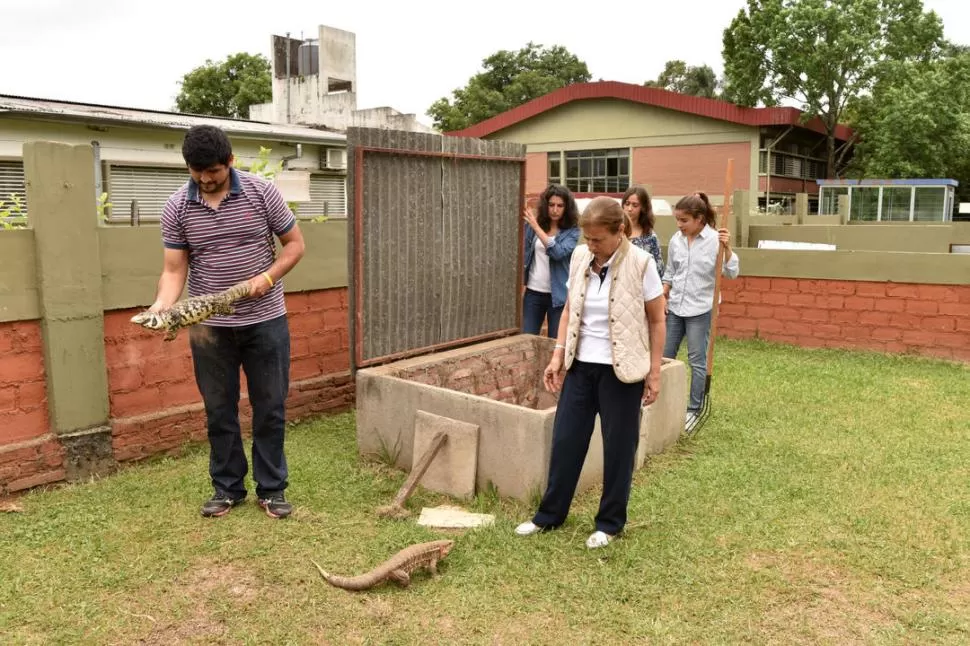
x=618 y=123
x=879 y=266
x=927 y=238
x=131 y=259
x=18 y=276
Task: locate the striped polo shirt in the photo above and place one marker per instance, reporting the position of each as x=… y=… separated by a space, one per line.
x=231 y=243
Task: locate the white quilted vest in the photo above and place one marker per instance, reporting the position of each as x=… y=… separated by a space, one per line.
x=629 y=334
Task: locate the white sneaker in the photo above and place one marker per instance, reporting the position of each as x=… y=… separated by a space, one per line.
x=598 y=539
x=527 y=528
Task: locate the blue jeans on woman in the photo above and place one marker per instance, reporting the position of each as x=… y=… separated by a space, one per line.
x=697 y=329
x=263 y=351
x=536 y=306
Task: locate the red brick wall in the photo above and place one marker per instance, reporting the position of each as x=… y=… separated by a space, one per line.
x=536 y=173
x=928 y=320
x=155 y=404
x=678 y=170
x=511 y=373
x=23 y=391
x=29 y=455
x=30 y=464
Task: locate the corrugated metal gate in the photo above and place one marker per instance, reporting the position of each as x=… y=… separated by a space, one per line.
x=435 y=242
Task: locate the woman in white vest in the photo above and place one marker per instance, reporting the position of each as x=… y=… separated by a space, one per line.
x=606 y=361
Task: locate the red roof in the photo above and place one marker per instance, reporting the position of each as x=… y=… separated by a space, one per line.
x=711 y=108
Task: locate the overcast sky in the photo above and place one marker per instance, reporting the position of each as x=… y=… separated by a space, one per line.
x=127 y=53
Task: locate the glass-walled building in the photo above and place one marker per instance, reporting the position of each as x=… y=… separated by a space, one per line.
x=890 y=200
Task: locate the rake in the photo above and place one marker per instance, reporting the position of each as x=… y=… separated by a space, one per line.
x=700 y=418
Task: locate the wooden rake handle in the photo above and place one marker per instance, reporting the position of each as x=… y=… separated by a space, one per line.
x=719 y=267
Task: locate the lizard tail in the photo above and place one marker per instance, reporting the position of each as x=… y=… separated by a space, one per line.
x=325 y=575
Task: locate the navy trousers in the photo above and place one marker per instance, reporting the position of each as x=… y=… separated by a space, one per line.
x=588 y=389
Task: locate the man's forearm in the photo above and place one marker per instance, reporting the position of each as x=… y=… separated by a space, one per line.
x=170 y=287
x=291 y=254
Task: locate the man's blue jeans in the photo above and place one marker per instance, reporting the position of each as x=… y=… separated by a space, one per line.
x=697 y=329
x=263 y=352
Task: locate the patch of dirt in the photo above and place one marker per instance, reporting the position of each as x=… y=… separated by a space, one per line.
x=818 y=601
x=197 y=630
x=206 y=587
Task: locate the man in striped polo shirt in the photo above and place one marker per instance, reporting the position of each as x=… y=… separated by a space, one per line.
x=218 y=230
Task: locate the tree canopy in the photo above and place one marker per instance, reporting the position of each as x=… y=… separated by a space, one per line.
x=678 y=76
x=916 y=122
x=823 y=54
x=508 y=80
x=226 y=88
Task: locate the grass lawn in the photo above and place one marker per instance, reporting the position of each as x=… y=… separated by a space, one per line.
x=826 y=501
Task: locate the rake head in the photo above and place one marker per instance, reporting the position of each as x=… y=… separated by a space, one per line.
x=696 y=421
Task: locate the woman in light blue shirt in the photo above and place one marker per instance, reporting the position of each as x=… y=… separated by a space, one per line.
x=551 y=235
x=689 y=286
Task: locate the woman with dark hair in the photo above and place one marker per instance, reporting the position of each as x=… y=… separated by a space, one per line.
x=689 y=286
x=551 y=235
x=636 y=204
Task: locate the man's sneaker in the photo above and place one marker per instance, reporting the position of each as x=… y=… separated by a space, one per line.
x=219 y=505
x=275 y=505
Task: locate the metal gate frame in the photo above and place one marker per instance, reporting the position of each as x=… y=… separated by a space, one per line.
x=359 y=151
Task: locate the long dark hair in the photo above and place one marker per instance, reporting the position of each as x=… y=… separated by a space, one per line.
x=646 y=219
x=570 y=214
x=698 y=206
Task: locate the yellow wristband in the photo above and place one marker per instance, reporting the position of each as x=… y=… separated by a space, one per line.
x=268 y=278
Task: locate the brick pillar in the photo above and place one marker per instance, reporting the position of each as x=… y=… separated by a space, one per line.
x=61 y=194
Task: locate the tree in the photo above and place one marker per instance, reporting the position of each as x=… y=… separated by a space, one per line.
x=822 y=54
x=508 y=79
x=678 y=76
x=916 y=122
x=226 y=88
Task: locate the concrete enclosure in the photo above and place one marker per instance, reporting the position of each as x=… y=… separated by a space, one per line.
x=498 y=387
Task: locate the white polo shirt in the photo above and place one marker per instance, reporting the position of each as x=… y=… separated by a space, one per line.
x=594 y=327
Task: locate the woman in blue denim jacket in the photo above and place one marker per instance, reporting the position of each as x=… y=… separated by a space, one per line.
x=551 y=235
x=637 y=206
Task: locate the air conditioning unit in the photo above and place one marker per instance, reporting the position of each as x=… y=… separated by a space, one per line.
x=334 y=159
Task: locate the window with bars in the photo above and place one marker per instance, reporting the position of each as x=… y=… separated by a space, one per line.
x=598 y=171
x=12 y=184
x=145 y=188
x=786 y=165
x=328 y=196
x=554 y=169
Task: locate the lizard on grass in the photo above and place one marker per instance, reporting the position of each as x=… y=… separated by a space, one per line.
x=398 y=568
